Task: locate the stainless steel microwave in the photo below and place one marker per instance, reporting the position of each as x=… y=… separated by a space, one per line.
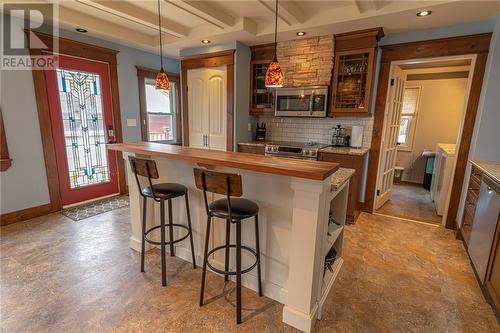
x=302 y=101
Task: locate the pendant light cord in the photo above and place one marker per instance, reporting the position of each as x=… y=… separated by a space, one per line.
x=276 y=33
x=159 y=28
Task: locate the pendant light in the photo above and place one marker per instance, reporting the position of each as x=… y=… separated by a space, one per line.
x=274 y=75
x=162 y=82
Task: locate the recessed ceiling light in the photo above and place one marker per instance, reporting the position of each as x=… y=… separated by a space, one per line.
x=300 y=33
x=81 y=30
x=424 y=13
x=205 y=41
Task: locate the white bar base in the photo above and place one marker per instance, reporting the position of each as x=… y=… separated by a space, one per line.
x=293 y=225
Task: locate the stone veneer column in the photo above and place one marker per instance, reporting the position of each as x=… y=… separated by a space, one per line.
x=307 y=62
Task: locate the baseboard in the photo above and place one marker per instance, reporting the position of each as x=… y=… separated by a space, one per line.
x=299 y=320
x=26 y=214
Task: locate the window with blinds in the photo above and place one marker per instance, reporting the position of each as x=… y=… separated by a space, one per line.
x=408 y=120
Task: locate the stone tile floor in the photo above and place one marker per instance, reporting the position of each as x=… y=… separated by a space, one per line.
x=62 y=276
x=411 y=201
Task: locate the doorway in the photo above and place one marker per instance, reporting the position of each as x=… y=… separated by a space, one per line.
x=424 y=117
x=81 y=113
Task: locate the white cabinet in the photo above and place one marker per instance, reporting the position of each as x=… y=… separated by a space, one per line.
x=207 y=102
x=443 y=172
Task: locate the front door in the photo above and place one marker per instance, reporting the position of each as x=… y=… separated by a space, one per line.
x=390 y=137
x=81 y=114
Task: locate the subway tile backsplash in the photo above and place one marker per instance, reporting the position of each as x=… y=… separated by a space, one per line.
x=313 y=129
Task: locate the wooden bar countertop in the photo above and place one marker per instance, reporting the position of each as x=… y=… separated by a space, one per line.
x=315 y=170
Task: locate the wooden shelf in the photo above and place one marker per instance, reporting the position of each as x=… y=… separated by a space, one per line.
x=334 y=231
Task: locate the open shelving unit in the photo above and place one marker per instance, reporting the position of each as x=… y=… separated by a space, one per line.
x=333 y=238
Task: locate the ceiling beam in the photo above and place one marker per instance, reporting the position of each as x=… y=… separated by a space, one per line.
x=205 y=11
x=357 y=6
x=288 y=13
x=291 y=12
x=363 y=6
x=72 y=18
x=138 y=15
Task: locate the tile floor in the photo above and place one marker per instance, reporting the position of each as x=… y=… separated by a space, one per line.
x=63 y=276
x=411 y=201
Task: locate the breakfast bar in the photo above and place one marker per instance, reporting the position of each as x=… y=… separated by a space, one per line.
x=297 y=203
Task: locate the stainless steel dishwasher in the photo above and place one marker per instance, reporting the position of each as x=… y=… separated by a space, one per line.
x=484 y=225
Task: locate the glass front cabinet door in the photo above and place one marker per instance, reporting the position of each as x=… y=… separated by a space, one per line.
x=352 y=81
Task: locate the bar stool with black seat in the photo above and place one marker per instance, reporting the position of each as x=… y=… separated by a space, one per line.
x=234 y=211
x=160 y=193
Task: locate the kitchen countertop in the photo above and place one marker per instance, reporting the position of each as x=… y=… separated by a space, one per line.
x=490 y=168
x=315 y=170
x=330 y=149
x=341 y=176
x=345 y=150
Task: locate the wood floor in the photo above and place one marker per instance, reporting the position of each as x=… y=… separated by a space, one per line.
x=411 y=201
x=58 y=275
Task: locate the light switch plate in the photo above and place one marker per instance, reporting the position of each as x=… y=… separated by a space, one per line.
x=249 y=127
x=131 y=122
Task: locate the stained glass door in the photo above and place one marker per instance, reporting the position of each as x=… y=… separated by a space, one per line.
x=81 y=111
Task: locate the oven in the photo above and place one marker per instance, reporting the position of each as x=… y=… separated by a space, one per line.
x=302 y=101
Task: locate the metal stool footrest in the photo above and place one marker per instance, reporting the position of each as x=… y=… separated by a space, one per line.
x=243 y=271
x=167 y=226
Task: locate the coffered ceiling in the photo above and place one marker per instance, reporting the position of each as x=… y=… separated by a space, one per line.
x=185 y=23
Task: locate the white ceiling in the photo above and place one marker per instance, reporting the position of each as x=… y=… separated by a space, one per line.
x=185 y=23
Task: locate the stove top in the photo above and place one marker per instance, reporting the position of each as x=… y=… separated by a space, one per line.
x=298 y=150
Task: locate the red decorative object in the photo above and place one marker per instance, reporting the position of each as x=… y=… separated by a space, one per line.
x=274 y=75
x=162 y=82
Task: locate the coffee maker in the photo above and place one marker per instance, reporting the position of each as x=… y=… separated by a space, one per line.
x=340 y=137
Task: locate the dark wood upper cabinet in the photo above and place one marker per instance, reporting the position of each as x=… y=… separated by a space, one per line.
x=261 y=98
x=353 y=71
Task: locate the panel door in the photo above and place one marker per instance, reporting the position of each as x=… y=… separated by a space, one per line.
x=217 y=108
x=207 y=100
x=390 y=136
x=198 y=109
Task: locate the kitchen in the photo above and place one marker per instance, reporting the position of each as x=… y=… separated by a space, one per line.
x=283 y=175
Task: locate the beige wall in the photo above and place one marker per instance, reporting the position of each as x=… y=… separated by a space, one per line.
x=439 y=118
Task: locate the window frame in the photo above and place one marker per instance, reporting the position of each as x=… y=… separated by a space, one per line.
x=142 y=75
x=413 y=125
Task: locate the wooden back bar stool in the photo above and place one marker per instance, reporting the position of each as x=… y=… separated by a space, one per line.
x=160 y=193
x=233 y=210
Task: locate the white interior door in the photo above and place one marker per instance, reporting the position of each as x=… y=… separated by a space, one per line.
x=207 y=108
x=390 y=136
x=197 y=101
x=217 y=108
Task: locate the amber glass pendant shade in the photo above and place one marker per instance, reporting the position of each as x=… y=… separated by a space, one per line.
x=162 y=82
x=274 y=75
